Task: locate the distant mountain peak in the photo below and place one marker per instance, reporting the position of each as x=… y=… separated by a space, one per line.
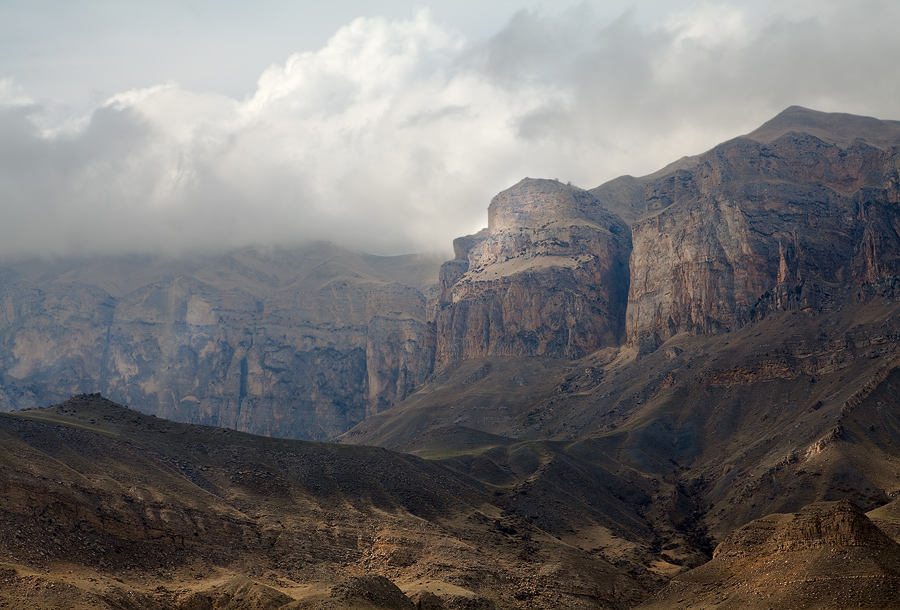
x=834 y=127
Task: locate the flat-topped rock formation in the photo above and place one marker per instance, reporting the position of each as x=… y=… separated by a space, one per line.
x=548 y=277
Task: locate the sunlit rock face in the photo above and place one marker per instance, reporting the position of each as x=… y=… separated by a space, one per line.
x=548 y=277
x=776 y=219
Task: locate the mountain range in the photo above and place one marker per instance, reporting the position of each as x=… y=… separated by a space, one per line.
x=679 y=390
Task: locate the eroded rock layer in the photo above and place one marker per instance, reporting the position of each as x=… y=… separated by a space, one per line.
x=298 y=343
x=548 y=277
x=778 y=212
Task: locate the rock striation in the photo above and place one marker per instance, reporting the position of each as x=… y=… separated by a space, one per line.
x=299 y=343
x=771 y=219
x=548 y=277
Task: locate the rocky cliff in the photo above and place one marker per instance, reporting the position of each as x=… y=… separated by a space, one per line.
x=776 y=218
x=548 y=277
x=298 y=343
x=308 y=342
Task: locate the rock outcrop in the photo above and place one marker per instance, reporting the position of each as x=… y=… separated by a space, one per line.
x=777 y=212
x=827 y=555
x=548 y=277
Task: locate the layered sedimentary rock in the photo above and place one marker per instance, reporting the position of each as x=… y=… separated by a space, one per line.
x=548 y=277
x=771 y=218
x=299 y=343
x=398 y=355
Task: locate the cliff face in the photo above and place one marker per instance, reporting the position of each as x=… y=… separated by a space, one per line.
x=296 y=343
x=777 y=219
x=774 y=215
x=548 y=277
x=398 y=355
x=308 y=342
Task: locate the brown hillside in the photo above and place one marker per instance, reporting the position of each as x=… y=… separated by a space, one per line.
x=100 y=504
x=827 y=555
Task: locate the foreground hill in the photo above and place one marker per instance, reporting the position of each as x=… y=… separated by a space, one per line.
x=828 y=555
x=103 y=507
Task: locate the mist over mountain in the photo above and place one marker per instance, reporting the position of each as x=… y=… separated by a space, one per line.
x=391 y=134
x=666 y=388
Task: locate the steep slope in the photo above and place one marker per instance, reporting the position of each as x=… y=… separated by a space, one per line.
x=777 y=218
x=294 y=343
x=786 y=411
x=548 y=277
x=101 y=504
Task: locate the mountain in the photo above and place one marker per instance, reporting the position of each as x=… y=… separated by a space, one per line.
x=104 y=507
x=300 y=342
x=759 y=368
x=800 y=215
x=600 y=389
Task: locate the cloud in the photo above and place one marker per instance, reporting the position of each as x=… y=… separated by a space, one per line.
x=394 y=136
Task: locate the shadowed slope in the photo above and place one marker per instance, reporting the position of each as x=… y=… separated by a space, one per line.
x=107 y=503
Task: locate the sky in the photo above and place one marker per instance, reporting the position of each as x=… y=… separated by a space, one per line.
x=385 y=126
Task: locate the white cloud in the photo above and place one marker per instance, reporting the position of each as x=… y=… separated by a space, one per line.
x=394 y=135
x=12 y=95
x=709 y=24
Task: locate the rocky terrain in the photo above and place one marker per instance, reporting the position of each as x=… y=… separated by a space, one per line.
x=294 y=343
x=104 y=507
x=828 y=555
x=680 y=390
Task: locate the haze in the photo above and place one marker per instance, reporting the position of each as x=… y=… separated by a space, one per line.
x=385 y=126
